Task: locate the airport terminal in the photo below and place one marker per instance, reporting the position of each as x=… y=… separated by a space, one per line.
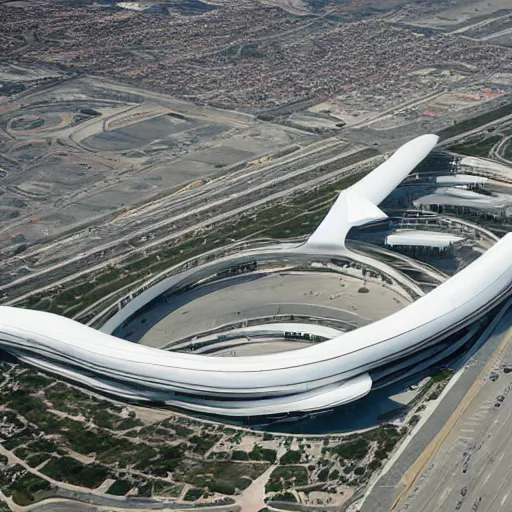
x=227 y=334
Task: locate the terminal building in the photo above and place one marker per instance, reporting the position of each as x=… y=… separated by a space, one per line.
x=339 y=369
x=423 y=243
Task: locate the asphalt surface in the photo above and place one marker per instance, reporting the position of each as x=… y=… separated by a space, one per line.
x=89 y=498
x=177 y=215
x=389 y=486
x=471 y=470
x=75 y=506
x=63 y=506
x=74 y=501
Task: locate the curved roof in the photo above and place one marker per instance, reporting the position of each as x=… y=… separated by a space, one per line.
x=420 y=238
x=312 y=378
x=357 y=205
x=333 y=362
x=461 y=179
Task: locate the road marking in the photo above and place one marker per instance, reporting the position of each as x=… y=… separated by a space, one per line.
x=411 y=475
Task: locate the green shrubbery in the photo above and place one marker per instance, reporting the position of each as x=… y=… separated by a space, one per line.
x=222 y=487
x=25 y=436
x=259 y=453
x=239 y=455
x=476 y=146
x=222 y=476
x=26 y=488
x=38 y=458
x=352 y=450
x=126 y=453
x=356 y=449
x=168 y=460
x=201 y=444
x=285 y=496
x=220 y=455
x=290 y=457
x=166 y=489
x=181 y=430
x=67 y=469
x=323 y=475
x=145 y=489
x=28 y=406
x=44 y=445
x=375 y=464
x=33 y=381
x=285 y=477
x=193 y=494
x=120 y=487
x=414 y=420
x=475 y=122
x=105 y=419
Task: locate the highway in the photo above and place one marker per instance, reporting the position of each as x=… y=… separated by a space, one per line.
x=471 y=469
x=442 y=479
x=55 y=505
x=249 y=198
x=498 y=151
x=447 y=142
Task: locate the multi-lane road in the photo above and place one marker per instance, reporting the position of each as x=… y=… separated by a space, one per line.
x=461 y=455
x=471 y=470
x=205 y=206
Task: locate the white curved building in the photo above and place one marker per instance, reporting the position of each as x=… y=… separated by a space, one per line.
x=357 y=205
x=321 y=376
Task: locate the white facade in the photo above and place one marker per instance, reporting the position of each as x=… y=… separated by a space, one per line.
x=357 y=205
x=461 y=179
x=418 y=238
x=320 y=376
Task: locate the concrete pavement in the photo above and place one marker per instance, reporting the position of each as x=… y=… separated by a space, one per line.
x=389 y=488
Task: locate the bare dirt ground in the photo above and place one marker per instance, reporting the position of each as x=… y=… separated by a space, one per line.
x=110 y=146
x=251 y=499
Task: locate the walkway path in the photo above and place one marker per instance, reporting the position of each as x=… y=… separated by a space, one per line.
x=251 y=499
